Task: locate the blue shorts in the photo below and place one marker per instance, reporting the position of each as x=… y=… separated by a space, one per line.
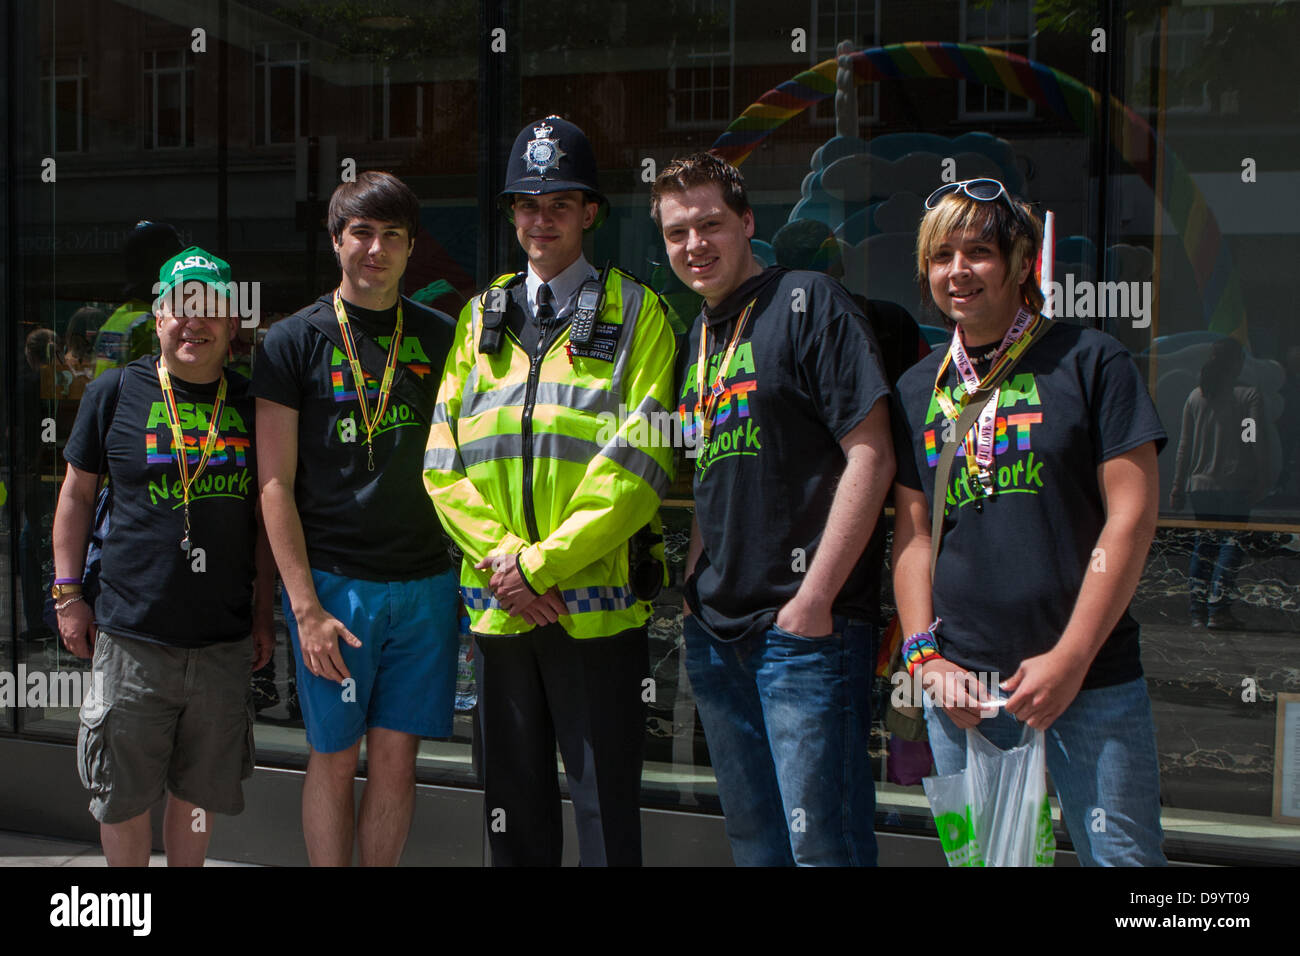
x=405 y=668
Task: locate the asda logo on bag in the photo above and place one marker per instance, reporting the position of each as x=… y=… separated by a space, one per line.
x=961 y=845
x=957 y=836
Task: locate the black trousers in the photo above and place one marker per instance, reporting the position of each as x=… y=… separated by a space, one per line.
x=536 y=689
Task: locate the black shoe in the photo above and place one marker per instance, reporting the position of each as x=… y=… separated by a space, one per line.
x=1199 y=615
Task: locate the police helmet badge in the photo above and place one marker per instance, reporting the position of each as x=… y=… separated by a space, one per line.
x=543 y=153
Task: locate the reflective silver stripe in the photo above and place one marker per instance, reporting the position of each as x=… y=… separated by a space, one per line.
x=471 y=379
x=591 y=400
x=640 y=464
x=545 y=445
x=491 y=448
x=564 y=448
x=442 y=459
x=439 y=414
x=475 y=403
x=650 y=406
x=633 y=293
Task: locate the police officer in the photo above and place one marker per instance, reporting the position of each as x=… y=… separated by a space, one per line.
x=128 y=332
x=546 y=467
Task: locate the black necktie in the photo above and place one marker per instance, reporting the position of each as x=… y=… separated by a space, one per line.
x=545 y=311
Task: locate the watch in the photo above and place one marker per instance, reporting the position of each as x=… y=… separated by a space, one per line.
x=60 y=591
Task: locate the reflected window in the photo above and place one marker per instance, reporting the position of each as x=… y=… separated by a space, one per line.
x=1186 y=40
x=397 y=109
x=1006 y=25
x=63 y=103
x=169 y=99
x=280 y=92
x=857 y=21
x=699 y=79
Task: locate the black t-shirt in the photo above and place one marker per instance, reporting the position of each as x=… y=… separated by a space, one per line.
x=150 y=588
x=805 y=373
x=1008 y=576
x=375 y=525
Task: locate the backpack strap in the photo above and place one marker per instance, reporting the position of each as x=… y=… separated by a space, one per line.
x=112 y=411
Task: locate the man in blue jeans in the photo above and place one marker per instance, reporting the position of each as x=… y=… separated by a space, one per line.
x=1049 y=511
x=793 y=458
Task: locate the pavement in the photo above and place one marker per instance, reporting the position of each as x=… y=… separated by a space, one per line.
x=25 y=849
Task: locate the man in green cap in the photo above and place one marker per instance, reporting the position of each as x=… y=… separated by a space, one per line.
x=183 y=612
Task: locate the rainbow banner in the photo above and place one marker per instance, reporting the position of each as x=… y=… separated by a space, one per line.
x=1064 y=95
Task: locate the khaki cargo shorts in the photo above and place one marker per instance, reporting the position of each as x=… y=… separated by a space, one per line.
x=166 y=718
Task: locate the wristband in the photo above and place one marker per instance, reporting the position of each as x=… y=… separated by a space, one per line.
x=920 y=647
x=67 y=580
x=921 y=650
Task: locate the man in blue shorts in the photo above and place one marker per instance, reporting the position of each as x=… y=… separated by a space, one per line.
x=370 y=597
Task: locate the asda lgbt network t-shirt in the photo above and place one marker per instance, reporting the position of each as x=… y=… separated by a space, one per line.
x=804 y=374
x=149 y=587
x=1009 y=571
x=375 y=525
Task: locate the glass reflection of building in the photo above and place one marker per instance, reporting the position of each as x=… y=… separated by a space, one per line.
x=232 y=120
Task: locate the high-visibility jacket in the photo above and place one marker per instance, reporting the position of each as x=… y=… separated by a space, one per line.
x=558 y=458
x=125 y=335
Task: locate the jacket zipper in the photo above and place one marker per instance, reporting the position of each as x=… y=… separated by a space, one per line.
x=526 y=423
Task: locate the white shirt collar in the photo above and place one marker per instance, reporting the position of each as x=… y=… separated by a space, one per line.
x=563 y=287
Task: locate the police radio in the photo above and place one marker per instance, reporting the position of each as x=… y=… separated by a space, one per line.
x=591 y=298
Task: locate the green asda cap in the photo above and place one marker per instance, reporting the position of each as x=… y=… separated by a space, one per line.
x=193 y=264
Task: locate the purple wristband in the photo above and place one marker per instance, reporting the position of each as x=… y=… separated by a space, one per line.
x=67 y=580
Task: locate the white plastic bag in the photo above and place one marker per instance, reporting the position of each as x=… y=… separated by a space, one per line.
x=995 y=812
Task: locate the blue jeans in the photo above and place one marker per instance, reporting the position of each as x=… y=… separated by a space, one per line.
x=1216 y=555
x=1101 y=753
x=788 y=723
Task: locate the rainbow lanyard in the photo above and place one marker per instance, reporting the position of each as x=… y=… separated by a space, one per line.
x=178 y=439
x=979 y=440
x=706 y=405
x=359 y=378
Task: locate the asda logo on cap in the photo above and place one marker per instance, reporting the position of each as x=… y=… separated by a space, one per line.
x=194 y=262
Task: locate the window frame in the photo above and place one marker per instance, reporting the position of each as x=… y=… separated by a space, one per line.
x=152 y=73
x=1030 y=43
x=262 y=66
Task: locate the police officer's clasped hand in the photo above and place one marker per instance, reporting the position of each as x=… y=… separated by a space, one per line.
x=516 y=597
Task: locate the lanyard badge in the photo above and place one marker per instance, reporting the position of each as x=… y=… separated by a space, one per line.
x=178 y=439
x=978 y=441
x=359 y=378
x=706 y=401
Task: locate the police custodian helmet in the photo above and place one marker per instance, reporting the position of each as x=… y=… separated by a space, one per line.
x=551 y=156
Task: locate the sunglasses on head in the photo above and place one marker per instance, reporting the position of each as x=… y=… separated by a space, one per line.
x=985 y=190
